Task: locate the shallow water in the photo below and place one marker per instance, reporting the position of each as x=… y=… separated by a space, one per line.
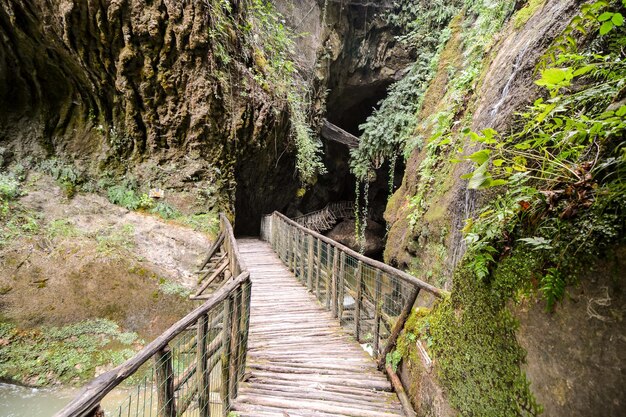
x=18 y=401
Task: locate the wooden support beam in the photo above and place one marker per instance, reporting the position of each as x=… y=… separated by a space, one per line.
x=303 y=240
x=201 y=367
x=310 y=265
x=318 y=268
x=235 y=346
x=337 y=134
x=341 y=286
x=228 y=315
x=333 y=284
x=397 y=386
x=210 y=280
x=397 y=327
x=245 y=326
x=212 y=250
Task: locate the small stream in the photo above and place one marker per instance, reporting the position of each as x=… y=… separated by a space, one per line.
x=18 y=401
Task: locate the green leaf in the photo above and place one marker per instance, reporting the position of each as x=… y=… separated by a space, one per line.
x=481 y=156
x=605 y=16
x=583 y=70
x=537 y=242
x=495 y=183
x=618 y=19
x=621 y=111
x=553 y=76
x=606 y=27
x=479 y=177
x=498 y=162
x=489 y=134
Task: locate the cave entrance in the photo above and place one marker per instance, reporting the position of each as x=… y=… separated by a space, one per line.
x=347 y=108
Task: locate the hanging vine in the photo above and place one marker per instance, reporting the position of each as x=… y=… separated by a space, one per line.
x=364 y=209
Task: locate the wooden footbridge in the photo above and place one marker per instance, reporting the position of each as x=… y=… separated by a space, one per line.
x=293 y=325
x=326 y=218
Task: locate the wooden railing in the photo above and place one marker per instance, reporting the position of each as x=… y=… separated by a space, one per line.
x=195 y=366
x=371 y=299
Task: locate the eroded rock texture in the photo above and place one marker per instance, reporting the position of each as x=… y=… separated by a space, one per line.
x=119 y=83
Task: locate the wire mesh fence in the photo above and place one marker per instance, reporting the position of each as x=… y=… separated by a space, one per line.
x=193 y=368
x=366 y=296
x=197 y=373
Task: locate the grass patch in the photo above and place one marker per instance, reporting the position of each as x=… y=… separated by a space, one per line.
x=114 y=242
x=61 y=228
x=15 y=221
x=205 y=222
x=68 y=354
x=173 y=288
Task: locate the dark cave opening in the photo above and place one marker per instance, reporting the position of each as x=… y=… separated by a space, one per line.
x=348 y=107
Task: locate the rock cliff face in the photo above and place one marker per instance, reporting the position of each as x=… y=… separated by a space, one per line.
x=506 y=86
x=139 y=86
x=568 y=375
x=351 y=51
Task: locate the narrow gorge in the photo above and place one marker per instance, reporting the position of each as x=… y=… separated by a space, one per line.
x=477 y=145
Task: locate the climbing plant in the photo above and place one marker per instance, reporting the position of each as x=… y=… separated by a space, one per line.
x=556 y=185
x=568 y=151
x=273 y=52
x=392 y=125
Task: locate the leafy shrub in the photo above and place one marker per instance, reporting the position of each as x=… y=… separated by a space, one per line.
x=66 y=175
x=203 y=222
x=9 y=187
x=165 y=210
x=126 y=197
x=62 y=354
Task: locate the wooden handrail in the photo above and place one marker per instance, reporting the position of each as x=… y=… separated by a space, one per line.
x=87 y=402
x=368 y=261
x=236 y=260
x=90 y=395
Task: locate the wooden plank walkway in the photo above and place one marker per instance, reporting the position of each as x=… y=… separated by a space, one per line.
x=301 y=363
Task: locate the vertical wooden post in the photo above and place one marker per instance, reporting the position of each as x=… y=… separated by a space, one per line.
x=341 y=286
x=245 y=326
x=165 y=383
x=378 y=304
x=302 y=257
x=201 y=367
x=291 y=247
x=296 y=250
x=357 y=302
x=310 y=264
x=333 y=282
x=318 y=268
x=96 y=412
x=234 y=343
x=228 y=312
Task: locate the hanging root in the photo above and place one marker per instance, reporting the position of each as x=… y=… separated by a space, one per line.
x=593 y=303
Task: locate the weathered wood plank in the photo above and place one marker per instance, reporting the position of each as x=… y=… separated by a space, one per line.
x=300 y=360
x=337 y=134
